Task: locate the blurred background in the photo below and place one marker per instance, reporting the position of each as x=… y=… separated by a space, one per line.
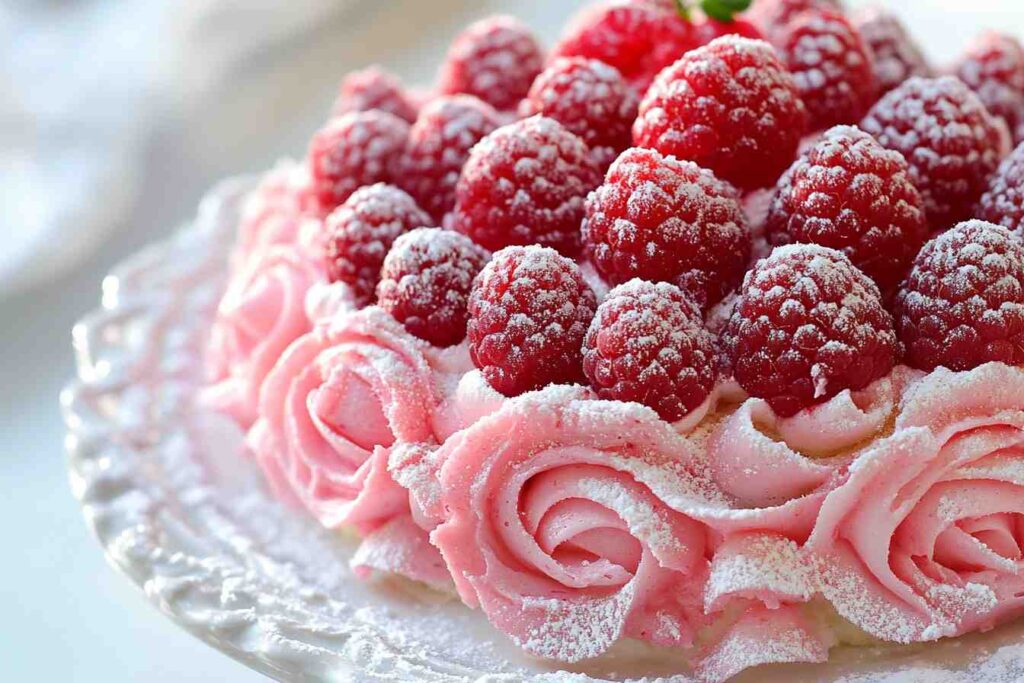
x=115 y=117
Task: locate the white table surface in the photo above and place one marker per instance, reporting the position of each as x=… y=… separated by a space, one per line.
x=64 y=614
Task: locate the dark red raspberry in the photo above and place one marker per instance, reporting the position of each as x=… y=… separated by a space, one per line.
x=849 y=193
x=952 y=143
x=526 y=183
x=361 y=231
x=439 y=145
x=831 y=66
x=897 y=56
x=730 y=106
x=963 y=303
x=637 y=38
x=589 y=98
x=648 y=344
x=528 y=313
x=993 y=67
x=374 y=88
x=1003 y=201
x=808 y=325
x=772 y=16
x=661 y=219
x=357 y=149
x=425 y=283
x=495 y=59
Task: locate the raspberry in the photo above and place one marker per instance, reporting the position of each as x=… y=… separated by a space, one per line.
x=730 y=106
x=528 y=313
x=637 y=38
x=589 y=98
x=374 y=88
x=963 y=303
x=1003 y=201
x=808 y=325
x=648 y=344
x=662 y=219
x=526 y=183
x=831 y=66
x=851 y=194
x=425 y=283
x=495 y=59
x=709 y=29
x=896 y=56
x=952 y=143
x=360 y=148
x=438 y=147
x=360 y=233
x=993 y=67
x=773 y=16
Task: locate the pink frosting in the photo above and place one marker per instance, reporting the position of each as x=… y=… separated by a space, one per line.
x=276 y=212
x=925 y=538
x=261 y=313
x=333 y=408
x=557 y=534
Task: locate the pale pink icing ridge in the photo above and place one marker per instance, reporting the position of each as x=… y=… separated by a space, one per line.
x=261 y=313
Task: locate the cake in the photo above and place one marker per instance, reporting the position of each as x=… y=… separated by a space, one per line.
x=697 y=330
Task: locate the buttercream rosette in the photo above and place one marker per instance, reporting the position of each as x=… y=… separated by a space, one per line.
x=926 y=537
x=335 y=405
x=262 y=311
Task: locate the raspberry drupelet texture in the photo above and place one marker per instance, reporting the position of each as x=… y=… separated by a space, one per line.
x=807 y=326
x=425 y=283
x=963 y=303
x=526 y=183
x=897 y=56
x=1003 y=201
x=952 y=143
x=361 y=231
x=495 y=59
x=439 y=144
x=661 y=219
x=639 y=39
x=771 y=17
x=589 y=98
x=648 y=344
x=993 y=67
x=849 y=193
x=831 y=66
x=374 y=88
x=528 y=313
x=730 y=106
x=357 y=149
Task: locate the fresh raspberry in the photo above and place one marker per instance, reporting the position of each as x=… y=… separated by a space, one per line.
x=808 y=325
x=709 y=29
x=637 y=38
x=952 y=143
x=831 y=66
x=730 y=106
x=495 y=59
x=993 y=67
x=374 y=88
x=528 y=313
x=589 y=98
x=662 y=219
x=526 y=183
x=648 y=344
x=357 y=149
x=439 y=145
x=771 y=17
x=851 y=194
x=1003 y=201
x=361 y=231
x=897 y=56
x=425 y=283
x=963 y=303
